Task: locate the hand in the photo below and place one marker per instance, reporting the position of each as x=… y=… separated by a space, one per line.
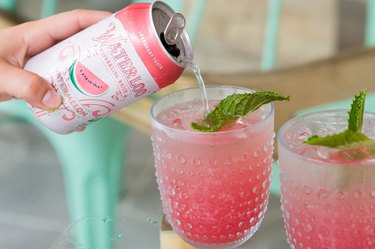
x=19 y=43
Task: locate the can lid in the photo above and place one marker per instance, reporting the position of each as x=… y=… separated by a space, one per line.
x=170 y=28
x=174 y=28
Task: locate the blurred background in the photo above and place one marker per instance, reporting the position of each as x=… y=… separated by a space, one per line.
x=229 y=38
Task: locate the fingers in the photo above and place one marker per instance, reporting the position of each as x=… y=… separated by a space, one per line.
x=40 y=35
x=21 y=84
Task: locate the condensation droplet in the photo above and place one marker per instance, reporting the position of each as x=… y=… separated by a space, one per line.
x=212 y=162
x=287 y=215
x=181 y=159
x=252 y=219
x=260 y=215
x=215 y=229
x=256 y=153
x=308 y=205
x=340 y=195
x=255 y=190
x=307 y=189
x=265 y=148
x=296 y=221
x=244 y=157
x=264 y=184
x=228 y=161
x=196 y=161
x=168 y=155
x=308 y=227
x=323 y=194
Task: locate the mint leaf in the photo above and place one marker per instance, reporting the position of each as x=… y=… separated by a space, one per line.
x=344 y=138
x=235 y=106
x=351 y=135
x=213 y=121
x=356 y=112
x=238 y=105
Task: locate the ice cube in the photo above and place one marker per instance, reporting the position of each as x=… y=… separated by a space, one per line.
x=323 y=152
x=356 y=153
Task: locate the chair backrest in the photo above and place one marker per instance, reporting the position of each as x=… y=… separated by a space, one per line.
x=370 y=24
x=8 y=4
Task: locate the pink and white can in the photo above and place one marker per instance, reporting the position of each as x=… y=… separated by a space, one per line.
x=111 y=64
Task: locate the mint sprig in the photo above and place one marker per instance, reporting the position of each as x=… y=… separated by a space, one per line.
x=235 y=106
x=352 y=134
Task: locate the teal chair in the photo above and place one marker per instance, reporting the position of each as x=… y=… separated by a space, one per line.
x=92 y=164
x=92 y=161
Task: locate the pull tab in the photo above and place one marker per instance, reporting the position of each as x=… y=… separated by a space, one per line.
x=174 y=28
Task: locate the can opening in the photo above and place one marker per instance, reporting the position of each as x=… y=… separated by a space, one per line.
x=171 y=49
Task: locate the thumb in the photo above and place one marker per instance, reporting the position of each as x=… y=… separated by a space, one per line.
x=32 y=88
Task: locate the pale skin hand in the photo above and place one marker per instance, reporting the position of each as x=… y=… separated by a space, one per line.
x=19 y=43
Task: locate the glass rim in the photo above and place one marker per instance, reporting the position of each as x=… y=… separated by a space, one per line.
x=296 y=118
x=200 y=133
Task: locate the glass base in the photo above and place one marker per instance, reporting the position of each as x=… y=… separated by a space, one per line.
x=229 y=245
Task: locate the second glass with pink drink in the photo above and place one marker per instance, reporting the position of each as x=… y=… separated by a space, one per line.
x=328 y=194
x=214 y=186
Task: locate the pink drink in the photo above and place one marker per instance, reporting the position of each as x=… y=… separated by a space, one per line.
x=328 y=195
x=214 y=186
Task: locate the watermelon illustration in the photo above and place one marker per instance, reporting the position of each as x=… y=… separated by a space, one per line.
x=86 y=81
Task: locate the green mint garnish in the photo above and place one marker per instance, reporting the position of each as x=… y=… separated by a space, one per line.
x=235 y=106
x=356 y=112
x=351 y=135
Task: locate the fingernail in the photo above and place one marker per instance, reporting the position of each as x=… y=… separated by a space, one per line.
x=51 y=100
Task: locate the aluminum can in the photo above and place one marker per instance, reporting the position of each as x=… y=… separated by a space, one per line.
x=109 y=65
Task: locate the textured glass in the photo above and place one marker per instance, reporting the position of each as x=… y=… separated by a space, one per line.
x=328 y=200
x=214 y=187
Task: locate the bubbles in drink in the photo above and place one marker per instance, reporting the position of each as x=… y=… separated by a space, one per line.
x=181 y=116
